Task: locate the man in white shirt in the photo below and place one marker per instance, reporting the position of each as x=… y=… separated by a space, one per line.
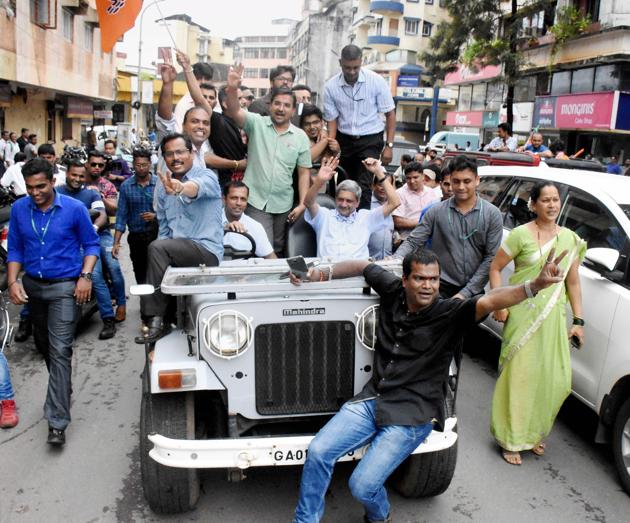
x=505 y=142
x=344 y=233
x=203 y=74
x=12 y=177
x=414 y=197
x=235 y=196
x=10 y=149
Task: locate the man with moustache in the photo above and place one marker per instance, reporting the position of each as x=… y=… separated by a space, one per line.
x=188 y=208
x=275 y=148
x=281 y=76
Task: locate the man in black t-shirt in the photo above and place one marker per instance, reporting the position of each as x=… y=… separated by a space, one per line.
x=395 y=411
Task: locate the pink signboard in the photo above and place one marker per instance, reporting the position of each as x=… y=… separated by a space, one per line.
x=464 y=119
x=584 y=111
x=465 y=75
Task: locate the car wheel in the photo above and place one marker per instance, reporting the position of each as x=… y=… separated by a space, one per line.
x=424 y=475
x=621 y=444
x=168 y=490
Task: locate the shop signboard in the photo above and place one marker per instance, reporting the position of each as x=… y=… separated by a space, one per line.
x=406 y=80
x=103 y=114
x=414 y=92
x=79 y=108
x=464 y=74
x=623 y=112
x=490 y=119
x=574 y=111
x=464 y=118
x=523 y=112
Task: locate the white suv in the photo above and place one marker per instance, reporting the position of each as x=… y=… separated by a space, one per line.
x=597 y=207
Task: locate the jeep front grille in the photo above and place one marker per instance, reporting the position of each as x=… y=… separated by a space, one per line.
x=304 y=367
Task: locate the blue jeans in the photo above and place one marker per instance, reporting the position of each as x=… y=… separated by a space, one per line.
x=6 y=390
x=113 y=267
x=351 y=428
x=101 y=292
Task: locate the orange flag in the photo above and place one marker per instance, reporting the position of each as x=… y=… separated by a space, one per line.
x=115 y=18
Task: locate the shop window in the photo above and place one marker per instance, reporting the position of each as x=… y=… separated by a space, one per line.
x=478 y=102
x=606 y=78
x=44 y=13
x=67 y=24
x=561 y=82
x=494 y=96
x=465 y=96
x=582 y=80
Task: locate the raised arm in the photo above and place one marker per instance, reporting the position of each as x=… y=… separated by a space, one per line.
x=505 y=297
x=393 y=200
x=191 y=81
x=233 y=107
x=165 y=102
x=326 y=172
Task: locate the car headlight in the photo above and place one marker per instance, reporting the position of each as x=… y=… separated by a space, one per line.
x=367 y=323
x=227 y=334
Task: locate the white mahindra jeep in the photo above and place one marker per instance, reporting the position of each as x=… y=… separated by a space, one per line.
x=255 y=368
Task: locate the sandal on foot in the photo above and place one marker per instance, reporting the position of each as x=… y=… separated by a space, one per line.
x=539 y=449
x=513 y=458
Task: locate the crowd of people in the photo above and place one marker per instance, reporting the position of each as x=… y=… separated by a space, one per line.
x=229 y=163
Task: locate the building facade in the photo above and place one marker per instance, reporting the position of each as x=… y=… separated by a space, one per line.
x=259 y=54
x=316 y=41
x=393 y=35
x=54 y=79
x=576 y=92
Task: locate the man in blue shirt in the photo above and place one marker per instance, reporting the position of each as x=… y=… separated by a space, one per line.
x=537 y=147
x=52 y=238
x=74 y=187
x=188 y=207
x=135 y=210
x=613 y=166
x=353 y=100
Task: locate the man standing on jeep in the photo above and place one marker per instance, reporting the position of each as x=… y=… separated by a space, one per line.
x=188 y=208
x=397 y=408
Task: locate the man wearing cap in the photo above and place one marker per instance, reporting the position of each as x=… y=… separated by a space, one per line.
x=414 y=197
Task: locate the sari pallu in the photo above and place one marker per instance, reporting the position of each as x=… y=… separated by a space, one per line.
x=534 y=366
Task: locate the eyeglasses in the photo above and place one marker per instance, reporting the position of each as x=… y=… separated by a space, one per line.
x=284 y=78
x=94 y=164
x=172 y=154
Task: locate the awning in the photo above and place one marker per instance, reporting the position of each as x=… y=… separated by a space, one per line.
x=411 y=69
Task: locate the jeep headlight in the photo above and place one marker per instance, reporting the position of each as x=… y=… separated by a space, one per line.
x=227 y=334
x=366 y=326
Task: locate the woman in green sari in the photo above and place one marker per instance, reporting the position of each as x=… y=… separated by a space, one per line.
x=534 y=366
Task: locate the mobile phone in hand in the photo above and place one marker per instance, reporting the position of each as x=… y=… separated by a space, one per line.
x=298 y=266
x=575 y=341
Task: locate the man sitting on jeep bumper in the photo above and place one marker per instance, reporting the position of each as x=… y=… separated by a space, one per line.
x=188 y=208
x=397 y=408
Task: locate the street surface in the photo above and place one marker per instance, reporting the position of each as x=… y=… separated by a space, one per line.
x=96 y=477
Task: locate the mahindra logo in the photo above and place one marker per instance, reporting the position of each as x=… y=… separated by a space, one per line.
x=314 y=311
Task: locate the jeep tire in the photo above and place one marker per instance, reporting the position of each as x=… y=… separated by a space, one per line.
x=424 y=475
x=168 y=490
x=621 y=444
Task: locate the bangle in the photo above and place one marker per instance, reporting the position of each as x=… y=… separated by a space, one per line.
x=15 y=281
x=528 y=289
x=578 y=321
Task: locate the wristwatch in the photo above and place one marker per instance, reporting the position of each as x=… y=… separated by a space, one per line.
x=86 y=275
x=390 y=145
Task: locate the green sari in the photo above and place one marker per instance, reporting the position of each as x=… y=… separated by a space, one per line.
x=534 y=366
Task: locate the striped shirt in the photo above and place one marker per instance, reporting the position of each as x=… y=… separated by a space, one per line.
x=356 y=107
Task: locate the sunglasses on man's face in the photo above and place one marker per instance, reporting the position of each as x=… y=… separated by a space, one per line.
x=94 y=164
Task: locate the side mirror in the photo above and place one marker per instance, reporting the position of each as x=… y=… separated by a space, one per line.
x=603 y=257
x=141 y=290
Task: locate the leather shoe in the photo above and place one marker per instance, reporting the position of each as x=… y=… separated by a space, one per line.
x=155 y=330
x=24 y=330
x=56 y=437
x=109 y=329
x=121 y=313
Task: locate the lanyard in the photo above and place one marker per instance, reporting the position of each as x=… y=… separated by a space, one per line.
x=467 y=236
x=43 y=235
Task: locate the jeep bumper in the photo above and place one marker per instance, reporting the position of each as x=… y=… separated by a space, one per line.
x=269 y=451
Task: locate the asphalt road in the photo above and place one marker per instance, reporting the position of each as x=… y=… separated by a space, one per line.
x=96 y=477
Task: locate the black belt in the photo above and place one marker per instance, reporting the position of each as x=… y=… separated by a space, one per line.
x=353 y=137
x=49 y=281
